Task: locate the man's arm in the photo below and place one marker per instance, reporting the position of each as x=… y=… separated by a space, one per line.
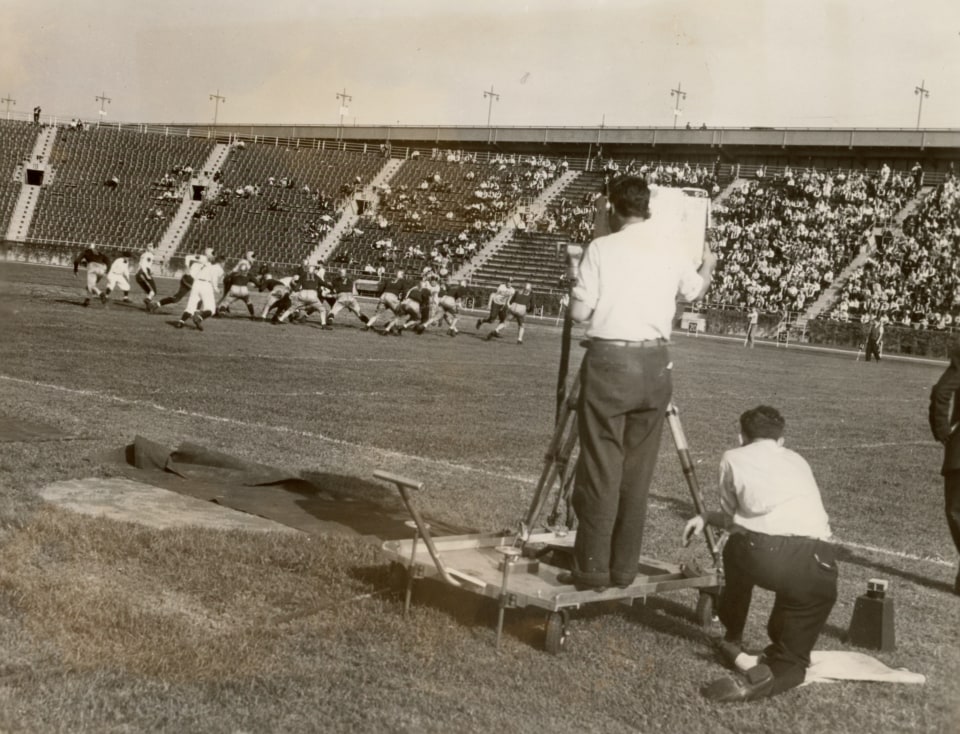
x=941 y=399
x=705 y=271
x=586 y=275
x=722 y=518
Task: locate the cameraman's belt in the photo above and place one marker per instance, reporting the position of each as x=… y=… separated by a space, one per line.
x=646 y=343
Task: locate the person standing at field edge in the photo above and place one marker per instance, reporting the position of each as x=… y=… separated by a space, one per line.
x=626 y=288
x=752 y=319
x=944 y=421
x=873 y=338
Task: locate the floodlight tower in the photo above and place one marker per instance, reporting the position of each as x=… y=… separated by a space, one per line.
x=679 y=94
x=493 y=96
x=217 y=99
x=343 y=98
x=8 y=100
x=103 y=99
x=920 y=92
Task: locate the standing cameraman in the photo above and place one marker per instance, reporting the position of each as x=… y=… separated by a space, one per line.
x=626 y=287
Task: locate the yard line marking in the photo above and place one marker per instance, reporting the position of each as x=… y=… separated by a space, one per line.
x=262 y=426
x=878 y=445
x=907 y=556
x=388 y=452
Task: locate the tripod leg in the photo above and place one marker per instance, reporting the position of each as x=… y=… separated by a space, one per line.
x=563 y=496
x=690 y=474
x=561 y=446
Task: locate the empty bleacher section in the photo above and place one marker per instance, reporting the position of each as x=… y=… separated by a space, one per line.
x=114 y=187
x=278 y=201
x=16 y=142
x=440 y=210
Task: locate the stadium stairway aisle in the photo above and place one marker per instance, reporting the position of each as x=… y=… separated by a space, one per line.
x=29 y=194
x=506 y=234
x=188 y=206
x=351 y=213
x=829 y=295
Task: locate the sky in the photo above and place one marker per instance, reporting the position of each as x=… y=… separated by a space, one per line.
x=738 y=63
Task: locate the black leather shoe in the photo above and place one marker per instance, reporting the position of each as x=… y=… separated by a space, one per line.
x=755 y=683
x=567 y=578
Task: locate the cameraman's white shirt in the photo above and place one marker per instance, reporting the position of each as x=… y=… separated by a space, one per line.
x=630 y=279
x=770 y=489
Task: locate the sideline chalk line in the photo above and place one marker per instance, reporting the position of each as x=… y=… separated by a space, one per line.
x=387 y=452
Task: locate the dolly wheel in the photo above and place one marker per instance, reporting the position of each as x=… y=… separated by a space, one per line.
x=555 y=640
x=706 y=614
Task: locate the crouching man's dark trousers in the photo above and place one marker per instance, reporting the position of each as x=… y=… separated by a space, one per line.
x=802 y=572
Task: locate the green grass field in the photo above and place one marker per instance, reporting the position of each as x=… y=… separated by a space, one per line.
x=107 y=626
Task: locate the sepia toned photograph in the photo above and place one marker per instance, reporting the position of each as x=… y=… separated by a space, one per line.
x=499 y=365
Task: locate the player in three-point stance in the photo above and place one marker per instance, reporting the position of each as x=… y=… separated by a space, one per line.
x=280 y=290
x=236 y=285
x=345 y=288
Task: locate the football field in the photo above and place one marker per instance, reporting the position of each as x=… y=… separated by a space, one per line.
x=108 y=626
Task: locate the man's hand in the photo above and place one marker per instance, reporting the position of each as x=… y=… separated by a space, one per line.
x=693 y=527
x=708 y=256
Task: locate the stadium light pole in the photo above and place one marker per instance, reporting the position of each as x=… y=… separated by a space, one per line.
x=342 y=98
x=679 y=94
x=8 y=100
x=217 y=99
x=493 y=96
x=103 y=99
x=921 y=92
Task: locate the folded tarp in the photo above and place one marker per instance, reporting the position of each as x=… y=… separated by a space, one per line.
x=314 y=502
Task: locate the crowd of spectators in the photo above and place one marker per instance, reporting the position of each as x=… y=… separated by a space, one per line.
x=781 y=238
x=575 y=218
x=911 y=278
x=443 y=220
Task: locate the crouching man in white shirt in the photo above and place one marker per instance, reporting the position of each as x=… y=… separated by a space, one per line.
x=779 y=531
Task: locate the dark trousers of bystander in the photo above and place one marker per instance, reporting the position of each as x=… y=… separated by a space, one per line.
x=951 y=492
x=624 y=394
x=802 y=572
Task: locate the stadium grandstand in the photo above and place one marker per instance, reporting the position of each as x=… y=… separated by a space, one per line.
x=828 y=225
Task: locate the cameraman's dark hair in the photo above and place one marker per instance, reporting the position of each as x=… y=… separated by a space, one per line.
x=761 y=422
x=630 y=197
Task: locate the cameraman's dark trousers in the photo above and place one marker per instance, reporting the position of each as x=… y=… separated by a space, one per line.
x=802 y=572
x=625 y=389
